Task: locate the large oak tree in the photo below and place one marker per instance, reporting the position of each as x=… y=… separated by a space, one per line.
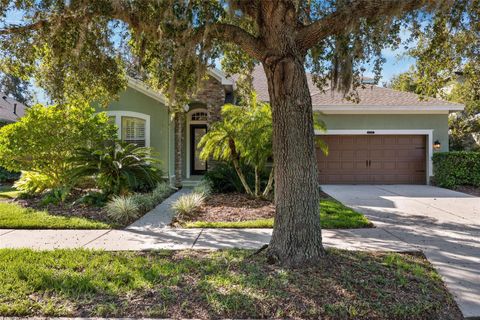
x=76 y=48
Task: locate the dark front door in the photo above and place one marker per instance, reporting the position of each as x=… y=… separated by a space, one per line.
x=197 y=165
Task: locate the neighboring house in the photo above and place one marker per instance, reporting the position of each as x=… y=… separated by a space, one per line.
x=387 y=138
x=10 y=109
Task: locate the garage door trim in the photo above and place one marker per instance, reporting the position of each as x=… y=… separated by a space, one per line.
x=427 y=132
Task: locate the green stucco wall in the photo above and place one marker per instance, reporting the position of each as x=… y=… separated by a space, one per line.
x=160 y=126
x=437 y=122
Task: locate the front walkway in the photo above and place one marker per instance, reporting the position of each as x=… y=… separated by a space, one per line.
x=444 y=224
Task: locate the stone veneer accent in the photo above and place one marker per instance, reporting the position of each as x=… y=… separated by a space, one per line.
x=212 y=94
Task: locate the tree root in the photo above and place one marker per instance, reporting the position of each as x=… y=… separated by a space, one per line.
x=265 y=246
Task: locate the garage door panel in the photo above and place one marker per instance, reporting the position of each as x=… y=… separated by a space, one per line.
x=365 y=159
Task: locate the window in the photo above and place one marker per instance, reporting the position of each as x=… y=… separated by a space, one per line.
x=199 y=116
x=133 y=127
x=133 y=131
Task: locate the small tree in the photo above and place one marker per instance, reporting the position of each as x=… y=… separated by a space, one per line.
x=46 y=137
x=243 y=135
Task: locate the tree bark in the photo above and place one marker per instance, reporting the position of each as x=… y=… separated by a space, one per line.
x=297 y=237
x=179 y=124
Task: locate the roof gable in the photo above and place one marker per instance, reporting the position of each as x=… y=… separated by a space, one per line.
x=10 y=109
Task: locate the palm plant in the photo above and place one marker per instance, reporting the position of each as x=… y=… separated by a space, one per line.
x=243 y=136
x=118 y=168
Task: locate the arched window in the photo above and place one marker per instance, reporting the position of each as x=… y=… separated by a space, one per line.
x=199 y=116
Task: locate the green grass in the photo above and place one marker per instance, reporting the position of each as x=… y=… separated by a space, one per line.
x=8 y=192
x=13 y=216
x=333 y=215
x=219 y=284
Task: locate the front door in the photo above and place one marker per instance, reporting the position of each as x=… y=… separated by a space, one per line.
x=197 y=165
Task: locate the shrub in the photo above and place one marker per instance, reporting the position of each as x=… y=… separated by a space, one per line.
x=46 y=137
x=93 y=198
x=452 y=169
x=118 y=168
x=33 y=182
x=204 y=188
x=187 y=204
x=8 y=176
x=145 y=202
x=55 y=196
x=122 y=209
x=223 y=178
x=148 y=201
x=161 y=192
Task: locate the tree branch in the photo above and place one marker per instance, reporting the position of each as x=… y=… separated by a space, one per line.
x=236 y=35
x=19 y=29
x=344 y=19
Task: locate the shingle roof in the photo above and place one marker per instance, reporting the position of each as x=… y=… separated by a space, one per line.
x=371 y=95
x=8 y=111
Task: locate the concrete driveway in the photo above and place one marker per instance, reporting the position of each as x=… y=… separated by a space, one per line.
x=444 y=224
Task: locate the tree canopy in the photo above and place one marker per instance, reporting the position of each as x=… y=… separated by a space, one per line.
x=82 y=48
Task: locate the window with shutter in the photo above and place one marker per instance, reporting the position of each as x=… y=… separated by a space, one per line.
x=133 y=131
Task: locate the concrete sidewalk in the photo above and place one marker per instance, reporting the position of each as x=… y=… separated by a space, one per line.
x=169 y=238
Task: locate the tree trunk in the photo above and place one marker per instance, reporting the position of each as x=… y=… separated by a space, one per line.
x=297 y=239
x=257 y=182
x=179 y=124
x=297 y=235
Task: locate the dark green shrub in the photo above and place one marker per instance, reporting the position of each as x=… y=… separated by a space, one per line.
x=118 y=168
x=55 y=196
x=451 y=169
x=93 y=198
x=223 y=178
x=8 y=176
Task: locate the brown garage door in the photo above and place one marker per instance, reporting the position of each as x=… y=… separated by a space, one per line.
x=373 y=159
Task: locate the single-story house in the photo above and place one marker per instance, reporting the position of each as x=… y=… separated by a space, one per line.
x=387 y=138
x=10 y=109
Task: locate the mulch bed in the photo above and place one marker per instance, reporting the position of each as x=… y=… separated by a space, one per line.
x=474 y=191
x=232 y=207
x=65 y=209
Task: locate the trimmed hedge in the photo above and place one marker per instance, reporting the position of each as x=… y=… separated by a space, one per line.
x=451 y=169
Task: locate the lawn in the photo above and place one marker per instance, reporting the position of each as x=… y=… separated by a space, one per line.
x=333 y=215
x=14 y=216
x=219 y=284
x=8 y=192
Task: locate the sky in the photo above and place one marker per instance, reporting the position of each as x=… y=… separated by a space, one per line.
x=396 y=62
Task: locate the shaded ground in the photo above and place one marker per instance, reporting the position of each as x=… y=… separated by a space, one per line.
x=221 y=284
x=14 y=216
x=67 y=209
x=34 y=208
x=237 y=210
x=234 y=207
x=471 y=190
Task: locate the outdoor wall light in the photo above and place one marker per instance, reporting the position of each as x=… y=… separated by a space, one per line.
x=186 y=107
x=437 y=145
